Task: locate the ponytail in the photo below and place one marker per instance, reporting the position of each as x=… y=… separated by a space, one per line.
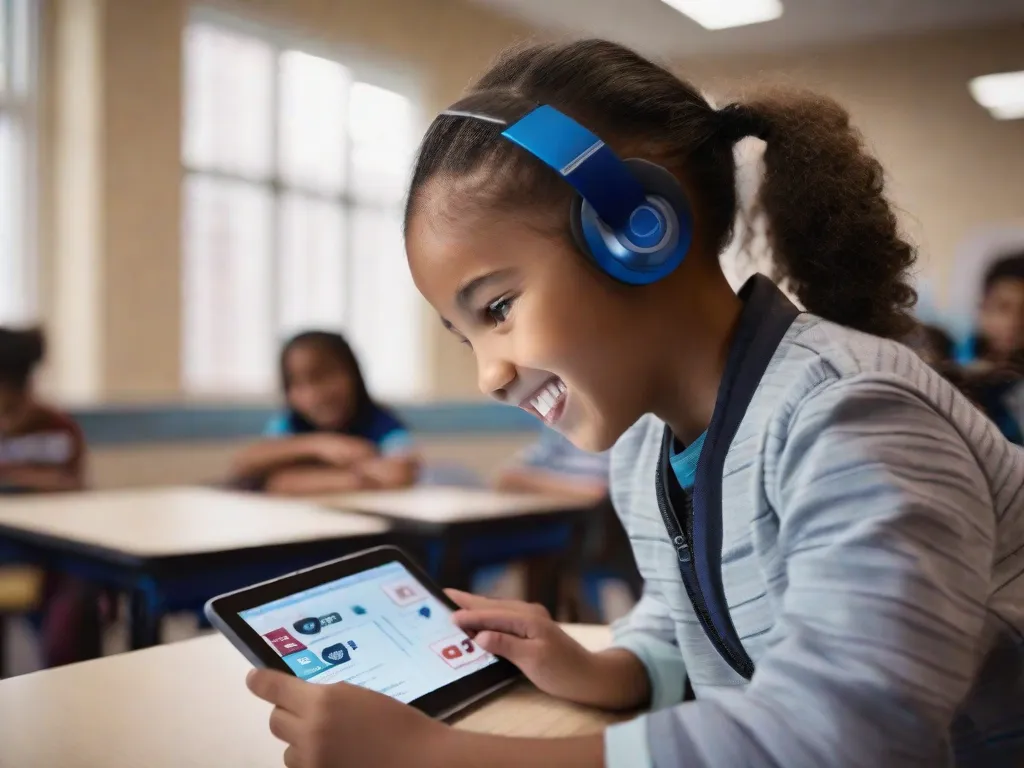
x=833 y=234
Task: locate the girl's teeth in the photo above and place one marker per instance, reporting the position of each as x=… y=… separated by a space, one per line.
x=550 y=395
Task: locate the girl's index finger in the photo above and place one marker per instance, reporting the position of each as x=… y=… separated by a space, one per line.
x=284 y=691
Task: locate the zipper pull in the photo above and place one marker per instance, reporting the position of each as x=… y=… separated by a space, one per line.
x=682 y=549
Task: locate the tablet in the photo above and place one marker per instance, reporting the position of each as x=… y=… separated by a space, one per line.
x=373 y=619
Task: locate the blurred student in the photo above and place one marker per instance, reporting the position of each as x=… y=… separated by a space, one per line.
x=42 y=451
x=999 y=340
x=332 y=437
x=554 y=465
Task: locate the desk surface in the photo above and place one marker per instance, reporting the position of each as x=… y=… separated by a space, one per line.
x=166 y=522
x=440 y=505
x=185 y=705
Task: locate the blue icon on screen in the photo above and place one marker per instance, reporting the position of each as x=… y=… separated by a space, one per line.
x=358 y=610
x=425 y=611
x=352 y=645
x=304 y=664
x=308 y=626
x=336 y=654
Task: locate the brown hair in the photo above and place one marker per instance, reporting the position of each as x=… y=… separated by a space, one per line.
x=833 y=234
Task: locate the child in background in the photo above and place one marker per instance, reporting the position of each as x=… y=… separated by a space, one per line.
x=332 y=437
x=999 y=341
x=554 y=465
x=42 y=451
x=831 y=537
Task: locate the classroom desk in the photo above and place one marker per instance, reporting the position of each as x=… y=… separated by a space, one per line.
x=176 y=546
x=455 y=530
x=185 y=705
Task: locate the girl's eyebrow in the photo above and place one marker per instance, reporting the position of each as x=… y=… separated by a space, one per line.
x=467 y=293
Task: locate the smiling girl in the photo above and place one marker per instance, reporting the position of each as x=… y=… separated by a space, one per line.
x=831 y=537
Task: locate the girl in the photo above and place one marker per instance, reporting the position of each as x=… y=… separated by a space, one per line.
x=831 y=537
x=333 y=437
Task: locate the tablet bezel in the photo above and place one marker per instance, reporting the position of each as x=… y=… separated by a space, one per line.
x=223 y=612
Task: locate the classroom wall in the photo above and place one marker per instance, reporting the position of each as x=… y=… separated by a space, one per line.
x=110 y=134
x=210 y=462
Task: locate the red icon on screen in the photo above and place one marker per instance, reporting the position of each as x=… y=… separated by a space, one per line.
x=457 y=651
x=403 y=593
x=283 y=642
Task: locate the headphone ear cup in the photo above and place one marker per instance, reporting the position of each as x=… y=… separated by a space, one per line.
x=658 y=182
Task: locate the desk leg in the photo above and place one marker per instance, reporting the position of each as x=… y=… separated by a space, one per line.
x=143 y=621
x=543 y=582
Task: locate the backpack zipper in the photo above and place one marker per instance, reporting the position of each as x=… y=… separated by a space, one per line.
x=682 y=540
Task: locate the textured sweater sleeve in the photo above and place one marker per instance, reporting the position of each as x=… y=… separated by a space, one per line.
x=886 y=526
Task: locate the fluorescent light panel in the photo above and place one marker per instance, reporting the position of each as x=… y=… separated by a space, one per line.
x=721 y=14
x=1001 y=94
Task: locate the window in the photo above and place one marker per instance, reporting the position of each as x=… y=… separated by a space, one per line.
x=295 y=173
x=17 y=95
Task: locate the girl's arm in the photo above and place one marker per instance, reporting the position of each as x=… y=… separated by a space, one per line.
x=314 y=481
x=264 y=457
x=387 y=472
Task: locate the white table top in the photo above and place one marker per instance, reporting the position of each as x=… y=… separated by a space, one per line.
x=163 y=522
x=185 y=705
x=445 y=505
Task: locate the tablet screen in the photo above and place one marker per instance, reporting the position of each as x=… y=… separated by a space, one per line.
x=379 y=629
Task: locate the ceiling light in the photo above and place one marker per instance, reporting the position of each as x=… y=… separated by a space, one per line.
x=1001 y=94
x=720 y=14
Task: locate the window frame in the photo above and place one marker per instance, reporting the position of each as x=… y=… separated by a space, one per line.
x=23 y=110
x=362 y=67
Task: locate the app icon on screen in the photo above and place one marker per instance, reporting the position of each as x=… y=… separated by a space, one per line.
x=425 y=611
x=309 y=626
x=457 y=651
x=330 y=618
x=336 y=654
x=358 y=610
x=403 y=592
x=282 y=641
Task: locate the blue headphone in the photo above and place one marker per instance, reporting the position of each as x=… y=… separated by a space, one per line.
x=631 y=217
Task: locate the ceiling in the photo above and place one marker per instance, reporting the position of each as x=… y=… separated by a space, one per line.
x=655 y=28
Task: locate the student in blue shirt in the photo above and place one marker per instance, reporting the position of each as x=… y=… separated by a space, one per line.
x=831 y=536
x=332 y=437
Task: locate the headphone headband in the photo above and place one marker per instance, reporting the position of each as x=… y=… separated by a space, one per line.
x=577 y=155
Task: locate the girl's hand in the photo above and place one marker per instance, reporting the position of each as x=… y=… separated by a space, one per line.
x=527 y=636
x=341 y=451
x=341 y=725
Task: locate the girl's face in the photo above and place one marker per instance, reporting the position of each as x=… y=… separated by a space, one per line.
x=320 y=387
x=550 y=334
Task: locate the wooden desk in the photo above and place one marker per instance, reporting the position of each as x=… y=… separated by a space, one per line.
x=186 y=706
x=199 y=541
x=439 y=506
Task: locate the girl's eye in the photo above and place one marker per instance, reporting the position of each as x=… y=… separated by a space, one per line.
x=498 y=311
